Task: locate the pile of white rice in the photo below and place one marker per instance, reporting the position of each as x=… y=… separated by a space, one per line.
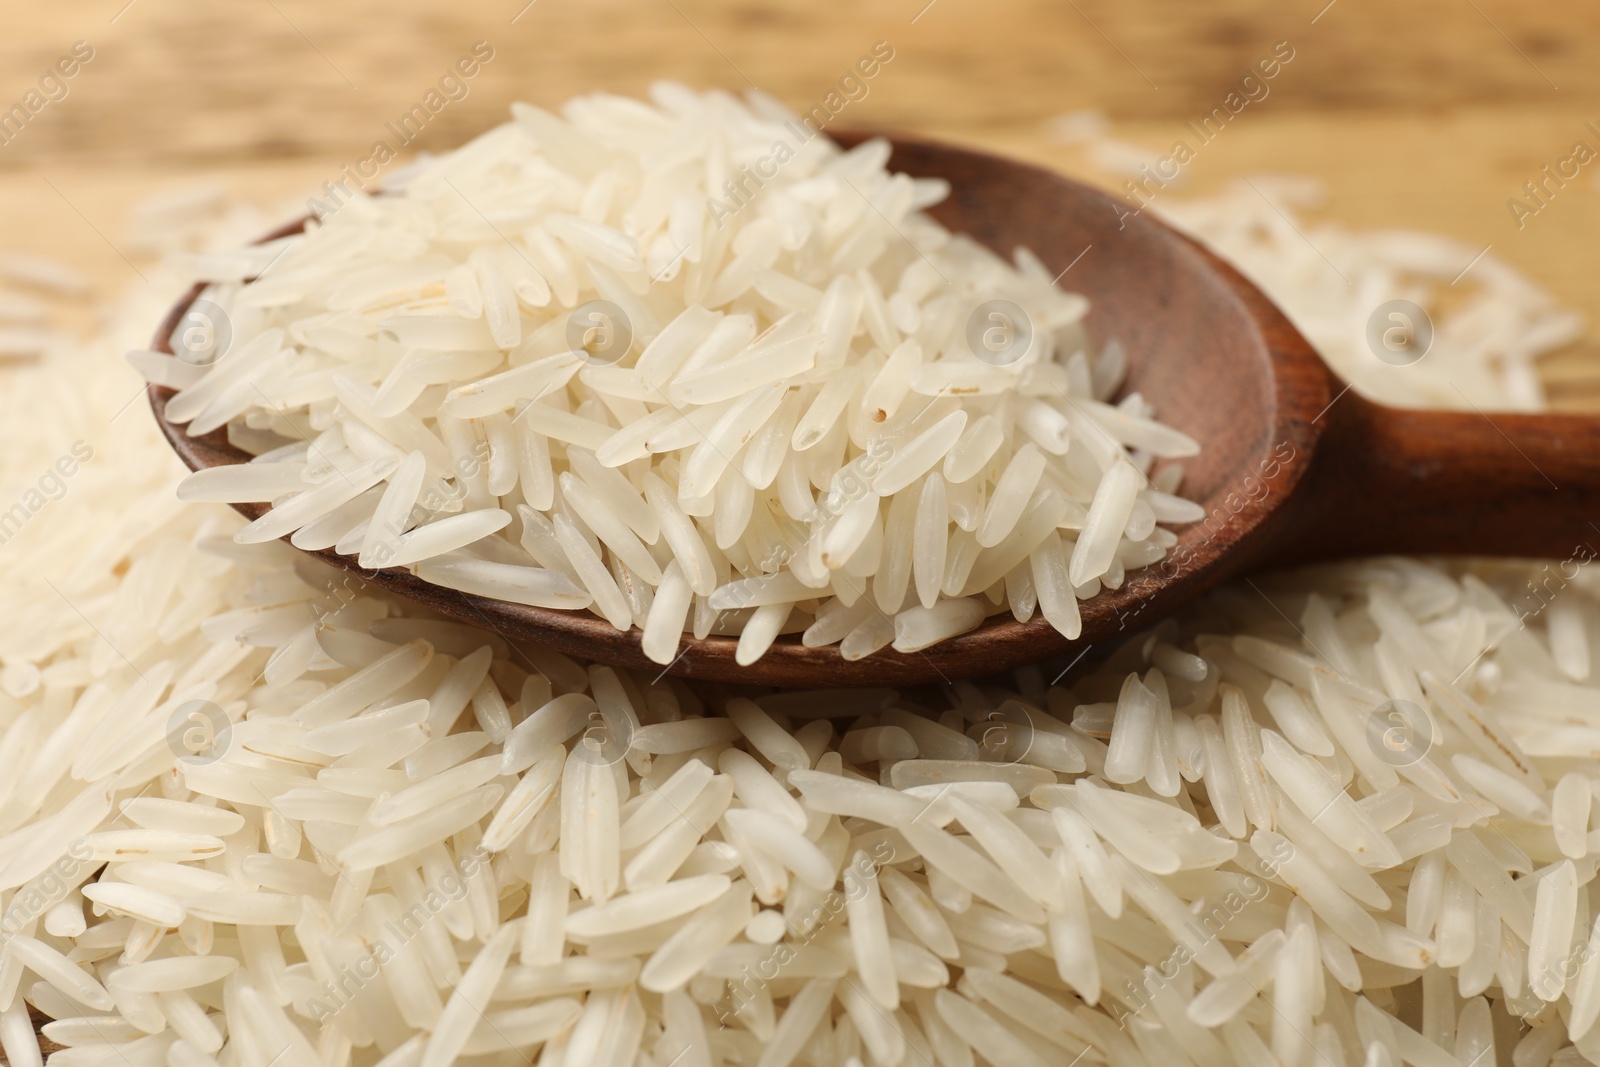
x=1489 y=320
x=253 y=814
x=690 y=366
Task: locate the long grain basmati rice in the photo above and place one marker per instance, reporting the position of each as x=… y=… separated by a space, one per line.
x=753 y=409
x=384 y=831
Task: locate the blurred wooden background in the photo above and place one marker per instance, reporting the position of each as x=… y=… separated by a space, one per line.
x=1429 y=113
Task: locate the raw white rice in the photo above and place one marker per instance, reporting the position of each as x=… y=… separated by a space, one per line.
x=1232 y=901
x=560 y=339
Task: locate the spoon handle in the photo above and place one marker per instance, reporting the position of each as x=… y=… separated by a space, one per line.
x=1449 y=482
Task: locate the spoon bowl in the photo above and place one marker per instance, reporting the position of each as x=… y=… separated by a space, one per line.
x=1293 y=467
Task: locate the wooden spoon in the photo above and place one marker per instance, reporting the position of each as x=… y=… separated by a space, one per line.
x=1292 y=468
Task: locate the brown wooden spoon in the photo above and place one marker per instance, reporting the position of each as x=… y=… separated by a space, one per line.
x=1292 y=467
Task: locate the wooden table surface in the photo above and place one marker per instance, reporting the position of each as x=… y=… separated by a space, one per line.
x=1429 y=114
